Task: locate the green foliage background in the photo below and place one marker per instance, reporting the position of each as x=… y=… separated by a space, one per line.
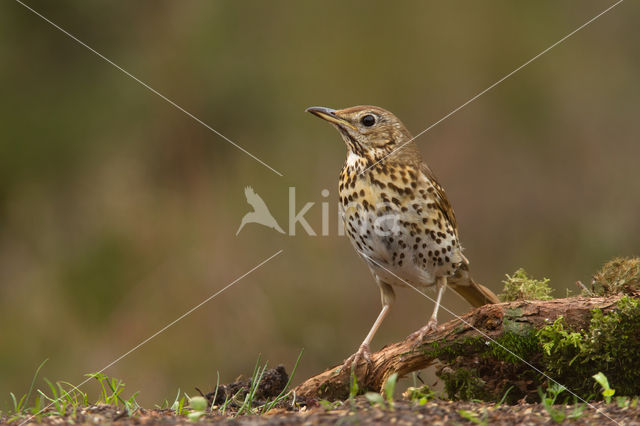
x=118 y=212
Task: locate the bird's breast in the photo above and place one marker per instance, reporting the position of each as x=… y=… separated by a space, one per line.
x=393 y=222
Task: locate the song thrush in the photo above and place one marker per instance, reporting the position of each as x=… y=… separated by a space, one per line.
x=397 y=215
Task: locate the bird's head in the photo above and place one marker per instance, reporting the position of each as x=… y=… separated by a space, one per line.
x=368 y=131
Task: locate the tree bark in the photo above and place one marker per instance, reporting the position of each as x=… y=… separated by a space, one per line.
x=489 y=322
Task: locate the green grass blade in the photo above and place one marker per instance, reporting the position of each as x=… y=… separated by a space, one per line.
x=174 y=406
x=35 y=376
x=54 y=391
x=255 y=383
x=293 y=373
x=16 y=406
x=44 y=395
x=85 y=399
x=215 y=394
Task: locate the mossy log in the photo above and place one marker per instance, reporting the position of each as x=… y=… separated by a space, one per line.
x=490 y=328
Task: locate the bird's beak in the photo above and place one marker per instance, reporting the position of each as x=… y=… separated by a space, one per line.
x=330 y=115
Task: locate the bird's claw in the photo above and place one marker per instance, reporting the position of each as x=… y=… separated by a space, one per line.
x=432 y=326
x=363 y=353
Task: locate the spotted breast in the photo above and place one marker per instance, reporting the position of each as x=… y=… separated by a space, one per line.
x=396 y=220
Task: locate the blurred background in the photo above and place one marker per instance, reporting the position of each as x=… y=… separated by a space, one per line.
x=118 y=212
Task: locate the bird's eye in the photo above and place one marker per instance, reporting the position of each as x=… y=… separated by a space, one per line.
x=368 y=120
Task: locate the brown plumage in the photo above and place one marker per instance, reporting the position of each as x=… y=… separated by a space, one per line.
x=396 y=214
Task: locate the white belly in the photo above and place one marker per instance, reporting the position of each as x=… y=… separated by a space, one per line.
x=388 y=248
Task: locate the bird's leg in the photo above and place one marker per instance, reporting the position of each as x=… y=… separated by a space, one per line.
x=364 y=353
x=432 y=324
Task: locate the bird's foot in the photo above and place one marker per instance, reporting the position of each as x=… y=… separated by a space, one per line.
x=363 y=353
x=432 y=326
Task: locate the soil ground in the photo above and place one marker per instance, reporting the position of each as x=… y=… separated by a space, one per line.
x=359 y=411
x=352 y=411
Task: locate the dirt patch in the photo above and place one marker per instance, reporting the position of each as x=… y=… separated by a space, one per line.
x=294 y=410
x=270 y=386
x=360 y=411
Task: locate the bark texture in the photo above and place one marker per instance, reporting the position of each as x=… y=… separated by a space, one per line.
x=489 y=322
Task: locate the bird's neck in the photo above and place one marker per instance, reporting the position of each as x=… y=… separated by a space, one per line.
x=356 y=163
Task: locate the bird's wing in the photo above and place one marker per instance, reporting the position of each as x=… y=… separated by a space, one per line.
x=440 y=198
x=254 y=199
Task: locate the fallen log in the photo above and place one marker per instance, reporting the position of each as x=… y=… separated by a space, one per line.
x=486 y=326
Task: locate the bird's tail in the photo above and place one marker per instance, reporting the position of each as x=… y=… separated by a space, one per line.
x=474 y=293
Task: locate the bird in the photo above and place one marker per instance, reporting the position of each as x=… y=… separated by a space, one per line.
x=397 y=216
x=260 y=213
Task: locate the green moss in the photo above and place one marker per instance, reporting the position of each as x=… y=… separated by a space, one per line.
x=333 y=391
x=514 y=347
x=560 y=345
x=463 y=384
x=620 y=275
x=520 y=286
x=481 y=369
x=474 y=368
x=512 y=322
x=478 y=368
x=611 y=345
x=446 y=351
x=507 y=347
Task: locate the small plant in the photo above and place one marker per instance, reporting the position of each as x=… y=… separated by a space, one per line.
x=504 y=396
x=607 y=392
x=111 y=388
x=165 y=404
x=375 y=398
x=246 y=399
x=610 y=345
x=254 y=383
x=131 y=404
x=420 y=395
x=353 y=385
x=520 y=286
x=110 y=391
x=549 y=398
x=328 y=405
x=198 y=407
x=62 y=398
x=284 y=394
x=619 y=275
x=388 y=390
x=557 y=340
x=178 y=404
x=623 y=401
x=578 y=409
x=215 y=393
x=473 y=417
x=19 y=405
x=227 y=400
